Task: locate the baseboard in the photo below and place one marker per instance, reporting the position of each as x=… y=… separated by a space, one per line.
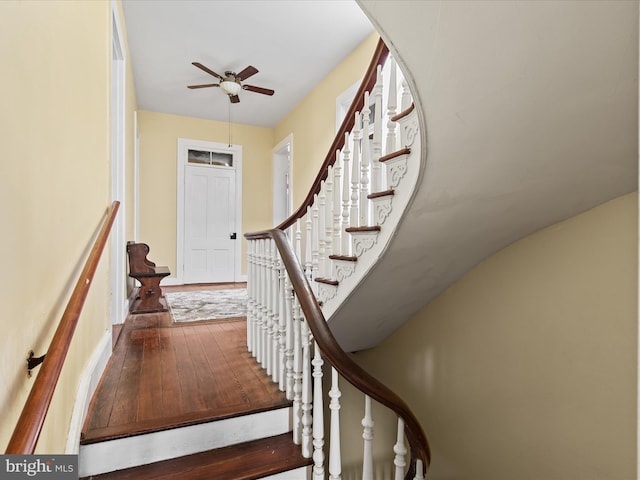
x=88 y=384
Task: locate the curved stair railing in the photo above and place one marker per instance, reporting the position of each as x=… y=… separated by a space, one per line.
x=297 y=278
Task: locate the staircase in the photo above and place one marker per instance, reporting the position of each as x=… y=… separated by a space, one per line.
x=150 y=418
x=299 y=274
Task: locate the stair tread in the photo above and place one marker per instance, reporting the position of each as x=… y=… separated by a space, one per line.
x=375 y=228
x=399 y=153
x=346 y=258
x=385 y=193
x=245 y=461
x=160 y=424
x=327 y=281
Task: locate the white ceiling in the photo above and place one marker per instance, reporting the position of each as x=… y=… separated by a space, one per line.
x=293 y=43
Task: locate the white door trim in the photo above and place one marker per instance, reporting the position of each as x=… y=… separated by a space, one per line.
x=278 y=152
x=184 y=144
x=119 y=304
x=136 y=179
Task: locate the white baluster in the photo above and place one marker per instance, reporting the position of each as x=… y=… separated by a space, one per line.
x=289 y=333
x=335 y=456
x=419 y=471
x=355 y=173
x=318 y=415
x=260 y=307
x=364 y=164
x=337 y=191
x=346 y=152
x=308 y=255
x=306 y=391
x=282 y=325
x=328 y=223
x=322 y=230
x=400 y=450
x=392 y=104
x=250 y=284
x=405 y=101
x=315 y=242
x=269 y=319
x=376 y=178
x=367 y=435
x=275 y=314
x=298 y=247
x=297 y=372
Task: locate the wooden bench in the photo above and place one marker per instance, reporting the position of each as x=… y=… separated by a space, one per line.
x=149 y=276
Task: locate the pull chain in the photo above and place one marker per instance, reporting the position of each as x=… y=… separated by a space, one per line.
x=229 y=122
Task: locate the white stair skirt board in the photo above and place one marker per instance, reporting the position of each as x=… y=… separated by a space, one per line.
x=403 y=175
x=88 y=384
x=301 y=473
x=153 y=447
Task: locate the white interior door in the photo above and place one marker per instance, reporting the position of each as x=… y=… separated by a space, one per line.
x=209 y=224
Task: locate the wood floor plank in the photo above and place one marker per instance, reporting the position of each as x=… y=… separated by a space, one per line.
x=100 y=408
x=216 y=346
x=125 y=404
x=189 y=387
x=150 y=394
x=172 y=400
x=208 y=383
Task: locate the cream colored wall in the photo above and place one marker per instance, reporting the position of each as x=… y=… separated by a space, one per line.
x=312 y=122
x=526 y=367
x=159 y=135
x=54 y=191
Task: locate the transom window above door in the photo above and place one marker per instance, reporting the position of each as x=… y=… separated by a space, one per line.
x=206 y=157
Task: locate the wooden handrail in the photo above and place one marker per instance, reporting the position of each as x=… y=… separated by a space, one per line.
x=27 y=431
x=379 y=57
x=340 y=360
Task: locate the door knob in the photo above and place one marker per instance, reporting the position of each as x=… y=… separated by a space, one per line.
x=233 y=236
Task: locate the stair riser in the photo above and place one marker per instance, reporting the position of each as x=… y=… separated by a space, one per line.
x=137 y=450
x=302 y=473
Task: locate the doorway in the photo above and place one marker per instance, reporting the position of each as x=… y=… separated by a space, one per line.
x=282 y=176
x=209 y=212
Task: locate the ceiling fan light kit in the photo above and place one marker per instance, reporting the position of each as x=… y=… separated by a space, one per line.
x=231 y=83
x=230 y=87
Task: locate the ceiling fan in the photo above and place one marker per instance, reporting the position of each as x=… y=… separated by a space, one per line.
x=231 y=82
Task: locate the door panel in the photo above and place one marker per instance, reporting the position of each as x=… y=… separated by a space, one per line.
x=209 y=222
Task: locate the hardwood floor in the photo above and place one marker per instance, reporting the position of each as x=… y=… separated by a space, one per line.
x=163 y=375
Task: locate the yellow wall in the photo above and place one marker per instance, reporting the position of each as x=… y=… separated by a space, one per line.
x=526 y=367
x=159 y=135
x=312 y=122
x=54 y=191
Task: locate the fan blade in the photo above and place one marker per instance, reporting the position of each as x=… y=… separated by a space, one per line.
x=205 y=69
x=234 y=98
x=246 y=73
x=252 y=88
x=204 y=86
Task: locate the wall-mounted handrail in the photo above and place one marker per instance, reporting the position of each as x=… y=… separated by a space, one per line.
x=379 y=57
x=27 y=431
